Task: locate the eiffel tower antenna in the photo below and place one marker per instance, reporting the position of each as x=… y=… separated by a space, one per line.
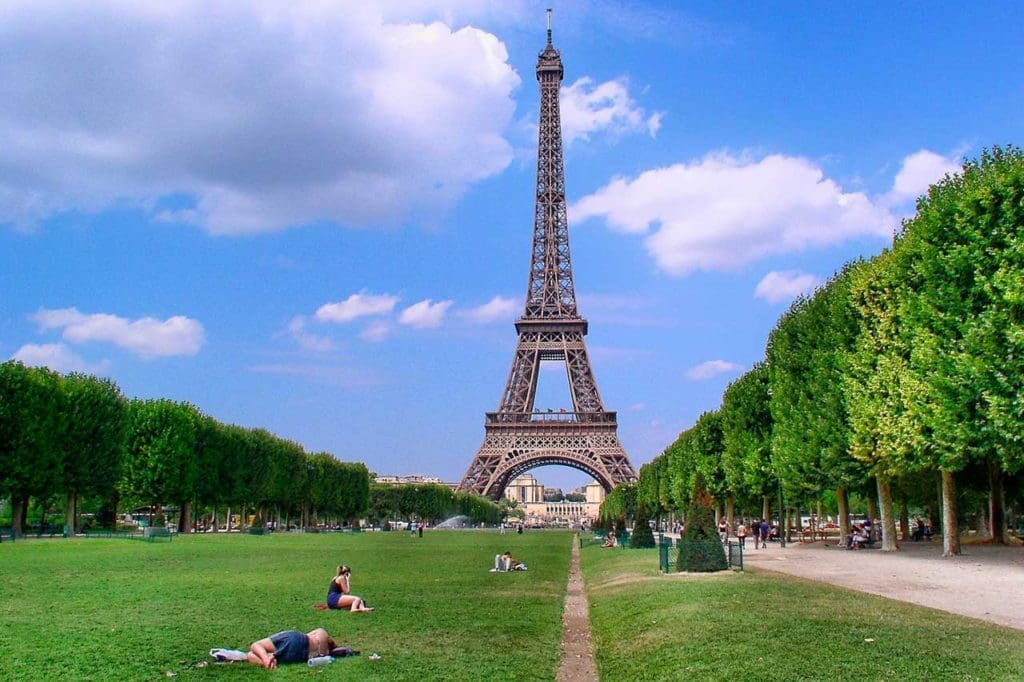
x=517 y=437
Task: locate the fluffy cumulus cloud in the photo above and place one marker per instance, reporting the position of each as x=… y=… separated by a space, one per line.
x=425 y=314
x=355 y=306
x=918 y=171
x=725 y=211
x=56 y=356
x=262 y=115
x=498 y=308
x=785 y=285
x=712 y=369
x=587 y=107
x=147 y=337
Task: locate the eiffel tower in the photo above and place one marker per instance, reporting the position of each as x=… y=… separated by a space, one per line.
x=517 y=437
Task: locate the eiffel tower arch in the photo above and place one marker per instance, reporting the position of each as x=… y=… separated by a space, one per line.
x=518 y=437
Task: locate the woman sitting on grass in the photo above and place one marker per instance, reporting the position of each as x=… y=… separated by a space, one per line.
x=339 y=593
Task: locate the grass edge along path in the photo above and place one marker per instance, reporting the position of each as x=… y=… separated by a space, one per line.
x=765 y=626
x=109 y=609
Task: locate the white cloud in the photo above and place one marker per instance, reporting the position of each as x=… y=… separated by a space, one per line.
x=306 y=339
x=56 y=356
x=785 y=285
x=724 y=211
x=424 y=314
x=711 y=369
x=376 y=332
x=498 y=308
x=587 y=108
x=637 y=407
x=918 y=171
x=146 y=336
x=262 y=114
x=356 y=305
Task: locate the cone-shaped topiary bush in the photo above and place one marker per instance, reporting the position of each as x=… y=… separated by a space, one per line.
x=642 y=535
x=700 y=548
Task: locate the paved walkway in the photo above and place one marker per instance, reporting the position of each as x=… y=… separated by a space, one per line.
x=577 y=654
x=985 y=582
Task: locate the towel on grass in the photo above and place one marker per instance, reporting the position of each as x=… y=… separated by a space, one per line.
x=222 y=655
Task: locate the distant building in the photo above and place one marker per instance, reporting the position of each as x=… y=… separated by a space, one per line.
x=529 y=493
x=411 y=480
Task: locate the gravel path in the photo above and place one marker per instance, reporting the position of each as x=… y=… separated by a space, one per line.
x=577 y=654
x=985 y=582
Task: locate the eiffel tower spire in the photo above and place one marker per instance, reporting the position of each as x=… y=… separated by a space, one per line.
x=518 y=438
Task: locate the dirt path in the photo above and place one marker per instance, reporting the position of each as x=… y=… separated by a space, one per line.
x=985 y=582
x=577 y=653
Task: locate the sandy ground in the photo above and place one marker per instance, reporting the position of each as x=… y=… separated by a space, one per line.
x=985 y=582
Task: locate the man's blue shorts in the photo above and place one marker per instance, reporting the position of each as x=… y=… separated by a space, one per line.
x=290 y=646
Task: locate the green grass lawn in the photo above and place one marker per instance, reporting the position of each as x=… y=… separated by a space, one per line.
x=126 y=609
x=761 y=626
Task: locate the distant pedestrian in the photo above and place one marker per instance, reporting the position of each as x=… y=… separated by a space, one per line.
x=519 y=530
x=741 y=534
x=762 y=534
x=723 y=531
x=501 y=528
x=419 y=529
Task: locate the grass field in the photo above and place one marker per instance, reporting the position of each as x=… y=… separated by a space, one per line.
x=760 y=626
x=125 y=609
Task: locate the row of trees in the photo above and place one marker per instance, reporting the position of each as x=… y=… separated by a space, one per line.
x=900 y=381
x=78 y=436
x=428 y=502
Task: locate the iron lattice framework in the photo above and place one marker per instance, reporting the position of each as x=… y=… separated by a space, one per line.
x=518 y=437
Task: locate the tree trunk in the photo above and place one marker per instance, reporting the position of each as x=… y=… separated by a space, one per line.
x=997 y=504
x=873 y=512
x=843 y=500
x=17 y=515
x=888 y=522
x=730 y=510
x=981 y=521
x=950 y=525
x=69 y=513
x=904 y=516
x=185 y=517
x=766 y=507
x=228 y=520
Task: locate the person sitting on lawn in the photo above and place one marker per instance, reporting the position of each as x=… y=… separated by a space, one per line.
x=339 y=594
x=290 y=646
x=610 y=540
x=504 y=563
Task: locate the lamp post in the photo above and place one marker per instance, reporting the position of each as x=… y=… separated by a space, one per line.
x=782 y=519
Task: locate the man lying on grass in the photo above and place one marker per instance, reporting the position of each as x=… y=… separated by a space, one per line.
x=291 y=646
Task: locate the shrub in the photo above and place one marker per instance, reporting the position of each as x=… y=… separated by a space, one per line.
x=642 y=535
x=700 y=548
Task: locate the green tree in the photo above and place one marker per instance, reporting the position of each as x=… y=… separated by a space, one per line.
x=160 y=463
x=93 y=438
x=747 y=437
x=30 y=445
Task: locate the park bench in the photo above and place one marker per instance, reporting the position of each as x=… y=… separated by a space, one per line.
x=8 y=532
x=152 y=534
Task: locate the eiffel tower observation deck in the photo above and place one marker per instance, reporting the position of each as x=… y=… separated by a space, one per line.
x=518 y=437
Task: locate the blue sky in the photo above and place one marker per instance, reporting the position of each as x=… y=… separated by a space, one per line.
x=315 y=217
